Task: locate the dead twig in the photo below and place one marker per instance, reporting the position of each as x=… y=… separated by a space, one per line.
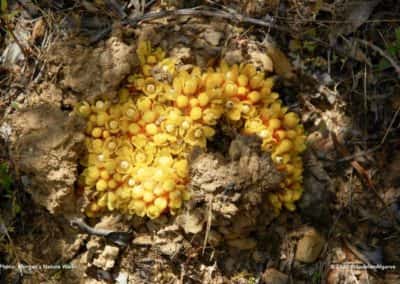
x=390 y=125
x=8 y=29
x=209 y=220
x=197 y=11
x=384 y=54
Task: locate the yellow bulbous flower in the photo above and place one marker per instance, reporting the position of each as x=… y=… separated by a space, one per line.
x=138 y=147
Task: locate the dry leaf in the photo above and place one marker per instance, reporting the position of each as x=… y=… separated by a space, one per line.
x=281 y=63
x=191 y=222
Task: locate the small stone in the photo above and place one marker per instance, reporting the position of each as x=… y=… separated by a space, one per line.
x=170 y=249
x=212 y=37
x=106 y=259
x=191 y=222
x=273 y=276
x=309 y=246
x=143 y=240
x=122 y=278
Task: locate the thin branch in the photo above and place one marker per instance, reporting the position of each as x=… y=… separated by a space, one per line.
x=390 y=126
x=234 y=16
x=8 y=29
x=382 y=53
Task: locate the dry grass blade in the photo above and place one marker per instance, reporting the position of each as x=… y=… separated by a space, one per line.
x=383 y=54
x=208 y=228
x=390 y=125
x=233 y=16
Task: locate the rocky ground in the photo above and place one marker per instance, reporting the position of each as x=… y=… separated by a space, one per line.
x=337 y=64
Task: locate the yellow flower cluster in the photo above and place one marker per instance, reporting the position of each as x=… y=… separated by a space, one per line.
x=138 y=146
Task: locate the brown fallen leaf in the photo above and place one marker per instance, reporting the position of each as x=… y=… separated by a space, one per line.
x=281 y=63
x=39 y=28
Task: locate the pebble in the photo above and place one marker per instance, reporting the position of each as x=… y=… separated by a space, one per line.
x=309 y=246
x=273 y=276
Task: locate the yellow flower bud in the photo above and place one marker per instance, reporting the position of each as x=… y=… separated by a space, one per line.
x=97 y=132
x=281 y=134
x=123 y=193
x=254 y=96
x=194 y=102
x=182 y=101
x=150 y=87
x=138 y=83
x=123 y=95
x=283 y=147
x=291 y=134
x=146 y=70
x=123 y=166
x=158 y=191
x=151 y=59
x=118 y=177
x=112 y=184
x=93 y=173
x=101 y=185
x=149 y=185
x=242 y=80
x=106 y=134
x=149 y=116
x=175 y=203
x=137 y=192
x=203 y=99
x=104 y=174
x=143 y=104
x=101 y=118
x=256 y=81
x=265 y=92
x=290 y=206
x=93 y=118
x=138 y=206
x=178 y=83
x=276 y=109
x=84 y=109
x=148 y=196
x=102 y=201
x=232 y=74
x=242 y=91
x=214 y=80
x=190 y=86
x=133 y=128
x=152 y=212
x=151 y=129
x=139 y=140
x=290 y=120
x=169 y=185
x=230 y=90
x=161 y=203
x=274 y=123
x=100 y=106
x=97 y=146
x=249 y=70
x=297 y=194
x=195 y=113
